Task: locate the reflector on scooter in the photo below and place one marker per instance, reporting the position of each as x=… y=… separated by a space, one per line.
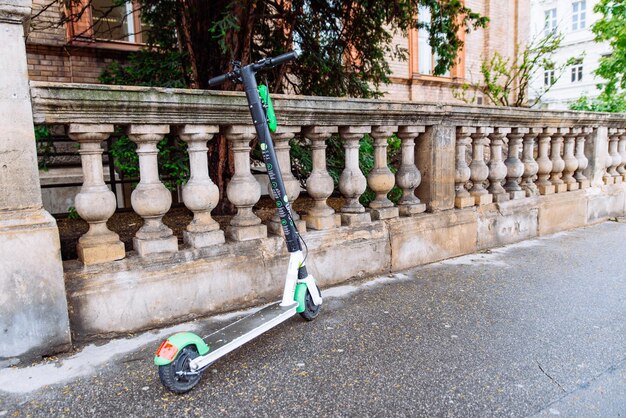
x=167 y=351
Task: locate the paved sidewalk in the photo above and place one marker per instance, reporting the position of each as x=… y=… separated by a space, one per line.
x=537 y=328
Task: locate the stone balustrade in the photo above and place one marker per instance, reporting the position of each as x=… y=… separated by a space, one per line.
x=445 y=180
x=545 y=153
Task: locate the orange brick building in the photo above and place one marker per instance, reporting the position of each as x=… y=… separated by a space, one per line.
x=78 y=53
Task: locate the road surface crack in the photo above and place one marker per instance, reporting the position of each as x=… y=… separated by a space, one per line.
x=550 y=377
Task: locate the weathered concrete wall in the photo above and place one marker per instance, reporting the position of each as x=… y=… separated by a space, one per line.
x=507 y=222
x=33 y=308
x=134 y=294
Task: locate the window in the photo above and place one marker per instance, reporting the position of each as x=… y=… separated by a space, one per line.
x=579 y=15
x=577 y=72
x=550 y=21
x=113 y=22
x=548 y=77
x=105 y=20
x=427 y=60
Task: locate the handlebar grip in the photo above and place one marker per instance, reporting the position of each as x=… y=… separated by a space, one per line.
x=288 y=56
x=216 y=81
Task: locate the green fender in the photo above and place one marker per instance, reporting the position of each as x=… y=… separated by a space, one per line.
x=170 y=348
x=299 y=297
x=267 y=101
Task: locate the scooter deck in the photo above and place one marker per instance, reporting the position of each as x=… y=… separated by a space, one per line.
x=240 y=332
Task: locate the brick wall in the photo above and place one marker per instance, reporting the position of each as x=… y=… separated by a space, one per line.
x=52 y=58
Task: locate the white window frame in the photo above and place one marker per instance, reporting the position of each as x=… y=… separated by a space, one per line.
x=579 y=15
x=550 y=21
x=548 y=78
x=577 y=73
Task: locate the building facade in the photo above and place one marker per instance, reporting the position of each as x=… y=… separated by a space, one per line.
x=80 y=51
x=506 y=32
x=574 y=20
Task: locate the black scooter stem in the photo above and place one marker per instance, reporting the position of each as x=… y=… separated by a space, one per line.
x=269 y=157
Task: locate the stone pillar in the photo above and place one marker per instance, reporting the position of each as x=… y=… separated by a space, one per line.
x=608 y=163
x=480 y=171
x=530 y=165
x=200 y=194
x=622 y=152
x=151 y=199
x=352 y=182
x=583 y=162
x=497 y=169
x=571 y=162
x=597 y=151
x=435 y=156
x=408 y=177
x=557 y=161
x=614 y=157
x=292 y=185
x=95 y=203
x=544 y=163
x=462 y=174
x=243 y=190
x=320 y=185
x=514 y=166
x=33 y=308
x=381 y=180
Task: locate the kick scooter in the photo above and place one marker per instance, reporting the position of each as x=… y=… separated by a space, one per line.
x=183 y=357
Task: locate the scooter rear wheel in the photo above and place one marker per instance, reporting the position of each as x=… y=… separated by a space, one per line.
x=175 y=376
x=311 y=310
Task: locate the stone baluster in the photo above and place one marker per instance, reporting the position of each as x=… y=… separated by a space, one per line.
x=608 y=175
x=530 y=165
x=583 y=162
x=200 y=194
x=352 y=182
x=571 y=162
x=615 y=156
x=558 y=164
x=320 y=185
x=243 y=190
x=381 y=180
x=479 y=168
x=281 y=138
x=544 y=163
x=622 y=152
x=462 y=175
x=95 y=203
x=151 y=199
x=408 y=177
x=514 y=166
x=497 y=169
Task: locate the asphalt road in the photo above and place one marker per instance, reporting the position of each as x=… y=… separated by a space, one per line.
x=537 y=328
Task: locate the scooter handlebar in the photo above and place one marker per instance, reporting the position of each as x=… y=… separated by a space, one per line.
x=216 y=81
x=288 y=56
x=273 y=62
x=260 y=65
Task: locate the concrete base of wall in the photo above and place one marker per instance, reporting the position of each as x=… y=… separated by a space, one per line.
x=136 y=294
x=33 y=307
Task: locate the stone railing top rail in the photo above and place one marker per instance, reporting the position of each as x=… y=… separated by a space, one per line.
x=60 y=103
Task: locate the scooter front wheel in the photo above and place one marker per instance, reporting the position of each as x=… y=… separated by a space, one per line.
x=177 y=376
x=311 y=310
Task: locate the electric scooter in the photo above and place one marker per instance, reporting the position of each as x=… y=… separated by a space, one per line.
x=183 y=357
